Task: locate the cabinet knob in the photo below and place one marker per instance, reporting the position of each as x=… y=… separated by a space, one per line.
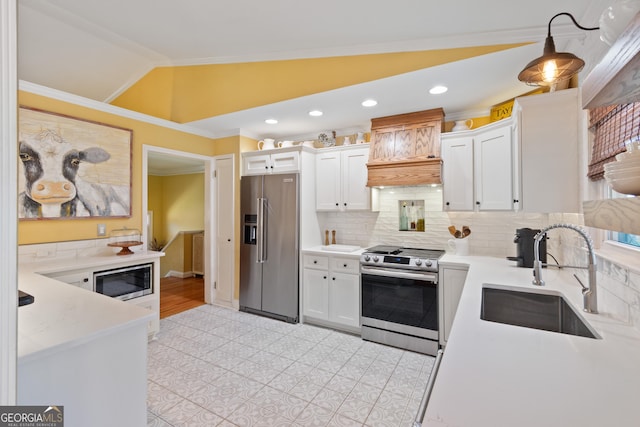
x=516 y=201
x=315 y=261
x=478 y=203
x=324 y=277
x=271 y=166
x=333 y=278
x=337 y=204
x=447 y=203
x=85 y=280
x=345 y=204
x=345 y=265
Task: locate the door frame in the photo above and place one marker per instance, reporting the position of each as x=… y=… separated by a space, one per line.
x=209 y=199
x=8 y=203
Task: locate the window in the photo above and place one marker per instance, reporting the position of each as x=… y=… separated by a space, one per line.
x=612 y=127
x=631 y=241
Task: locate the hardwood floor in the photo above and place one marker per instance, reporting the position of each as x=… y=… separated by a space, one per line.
x=177 y=295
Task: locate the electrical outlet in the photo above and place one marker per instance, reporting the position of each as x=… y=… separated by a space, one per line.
x=102 y=229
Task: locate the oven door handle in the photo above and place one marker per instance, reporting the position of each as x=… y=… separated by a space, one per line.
x=425 y=277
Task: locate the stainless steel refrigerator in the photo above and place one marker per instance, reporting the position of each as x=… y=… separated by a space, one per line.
x=269 y=251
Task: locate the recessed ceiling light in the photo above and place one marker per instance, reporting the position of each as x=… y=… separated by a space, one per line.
x=315 y=113
x=369 y=103
x=437 y=90
x=271 y=121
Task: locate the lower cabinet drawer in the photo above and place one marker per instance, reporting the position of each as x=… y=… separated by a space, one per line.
x=316 y=261
x=345 y=265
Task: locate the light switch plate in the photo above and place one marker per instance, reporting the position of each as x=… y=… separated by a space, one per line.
x=102 y=229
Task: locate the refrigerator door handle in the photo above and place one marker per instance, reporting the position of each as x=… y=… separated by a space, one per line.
x=262 y=255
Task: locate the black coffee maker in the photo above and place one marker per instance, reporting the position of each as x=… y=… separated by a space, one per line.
x=524 y=240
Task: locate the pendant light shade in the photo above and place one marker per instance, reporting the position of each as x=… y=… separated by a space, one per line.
x=552 y=67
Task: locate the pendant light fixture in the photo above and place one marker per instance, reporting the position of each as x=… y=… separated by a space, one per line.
x=552 y=67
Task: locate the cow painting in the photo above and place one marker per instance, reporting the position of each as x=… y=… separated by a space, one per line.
x=72 y=170
x=52 y=186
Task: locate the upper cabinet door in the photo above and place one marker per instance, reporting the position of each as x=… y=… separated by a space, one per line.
x=355 y=193
x=328 y=180
x=285 y=162
x=457 y=170
x=493 y=154
x=256 y=165
x=275 y=162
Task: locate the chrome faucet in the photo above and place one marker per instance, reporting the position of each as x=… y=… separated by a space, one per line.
x=589 y=294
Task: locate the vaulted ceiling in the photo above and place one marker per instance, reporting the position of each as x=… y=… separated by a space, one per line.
x=224 y=66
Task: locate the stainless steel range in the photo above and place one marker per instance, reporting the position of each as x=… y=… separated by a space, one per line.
x=400 y=297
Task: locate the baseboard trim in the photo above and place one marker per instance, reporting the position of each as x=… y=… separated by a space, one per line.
x=180 y=274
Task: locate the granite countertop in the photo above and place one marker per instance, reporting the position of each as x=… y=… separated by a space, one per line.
x=496 y=375
x=62 y=315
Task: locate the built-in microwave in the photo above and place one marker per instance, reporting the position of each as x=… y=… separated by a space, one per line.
x=126 y=282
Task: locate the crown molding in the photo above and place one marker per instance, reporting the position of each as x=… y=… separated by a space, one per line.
x=107 y=108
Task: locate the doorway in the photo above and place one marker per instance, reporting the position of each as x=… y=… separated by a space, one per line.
x=177 y=162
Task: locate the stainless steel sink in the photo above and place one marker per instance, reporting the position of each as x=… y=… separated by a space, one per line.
x=537 y=310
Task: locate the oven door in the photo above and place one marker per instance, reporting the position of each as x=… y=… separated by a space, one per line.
x=401 y=301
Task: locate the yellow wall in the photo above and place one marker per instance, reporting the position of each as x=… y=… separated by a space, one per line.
x=155 y=90
x=182 y=203
x=42 y=231
x=173 y=259
x=177 y=203
x=201 y=91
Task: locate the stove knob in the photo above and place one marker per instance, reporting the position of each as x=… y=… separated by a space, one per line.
x=367 y=258
x=418 y=262
x=375 y=259
x=428 y=263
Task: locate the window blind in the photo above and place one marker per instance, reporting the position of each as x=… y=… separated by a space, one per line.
x=612 y=126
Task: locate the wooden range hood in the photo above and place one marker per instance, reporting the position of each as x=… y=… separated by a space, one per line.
x=405 y=149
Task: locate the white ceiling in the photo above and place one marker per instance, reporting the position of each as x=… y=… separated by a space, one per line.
x=97 y=49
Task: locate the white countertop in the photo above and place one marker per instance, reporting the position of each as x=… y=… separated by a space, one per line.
x=322 y=250
x=63 y=315
x=497 y=375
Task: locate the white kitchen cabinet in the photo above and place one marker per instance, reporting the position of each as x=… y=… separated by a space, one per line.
x=83 y=278
x=478 y=169
x=457 y=173
x=80 y=278
x=344 y=291
x=451 y=281
x=493 y=169
x=331 y=291
x=316 y=293
x=547 y=132
x=341 y=179
x=283 y=160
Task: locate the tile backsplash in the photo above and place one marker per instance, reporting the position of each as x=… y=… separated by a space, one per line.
x=492 y=235
x=60 y=250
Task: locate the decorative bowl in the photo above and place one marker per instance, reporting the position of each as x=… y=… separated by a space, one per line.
x=629 y=185
x=623 y=174
x=621 y=166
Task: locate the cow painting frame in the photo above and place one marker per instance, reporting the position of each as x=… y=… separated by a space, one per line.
x=72 y=168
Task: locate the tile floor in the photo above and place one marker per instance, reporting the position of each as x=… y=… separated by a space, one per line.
x=212 y=366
